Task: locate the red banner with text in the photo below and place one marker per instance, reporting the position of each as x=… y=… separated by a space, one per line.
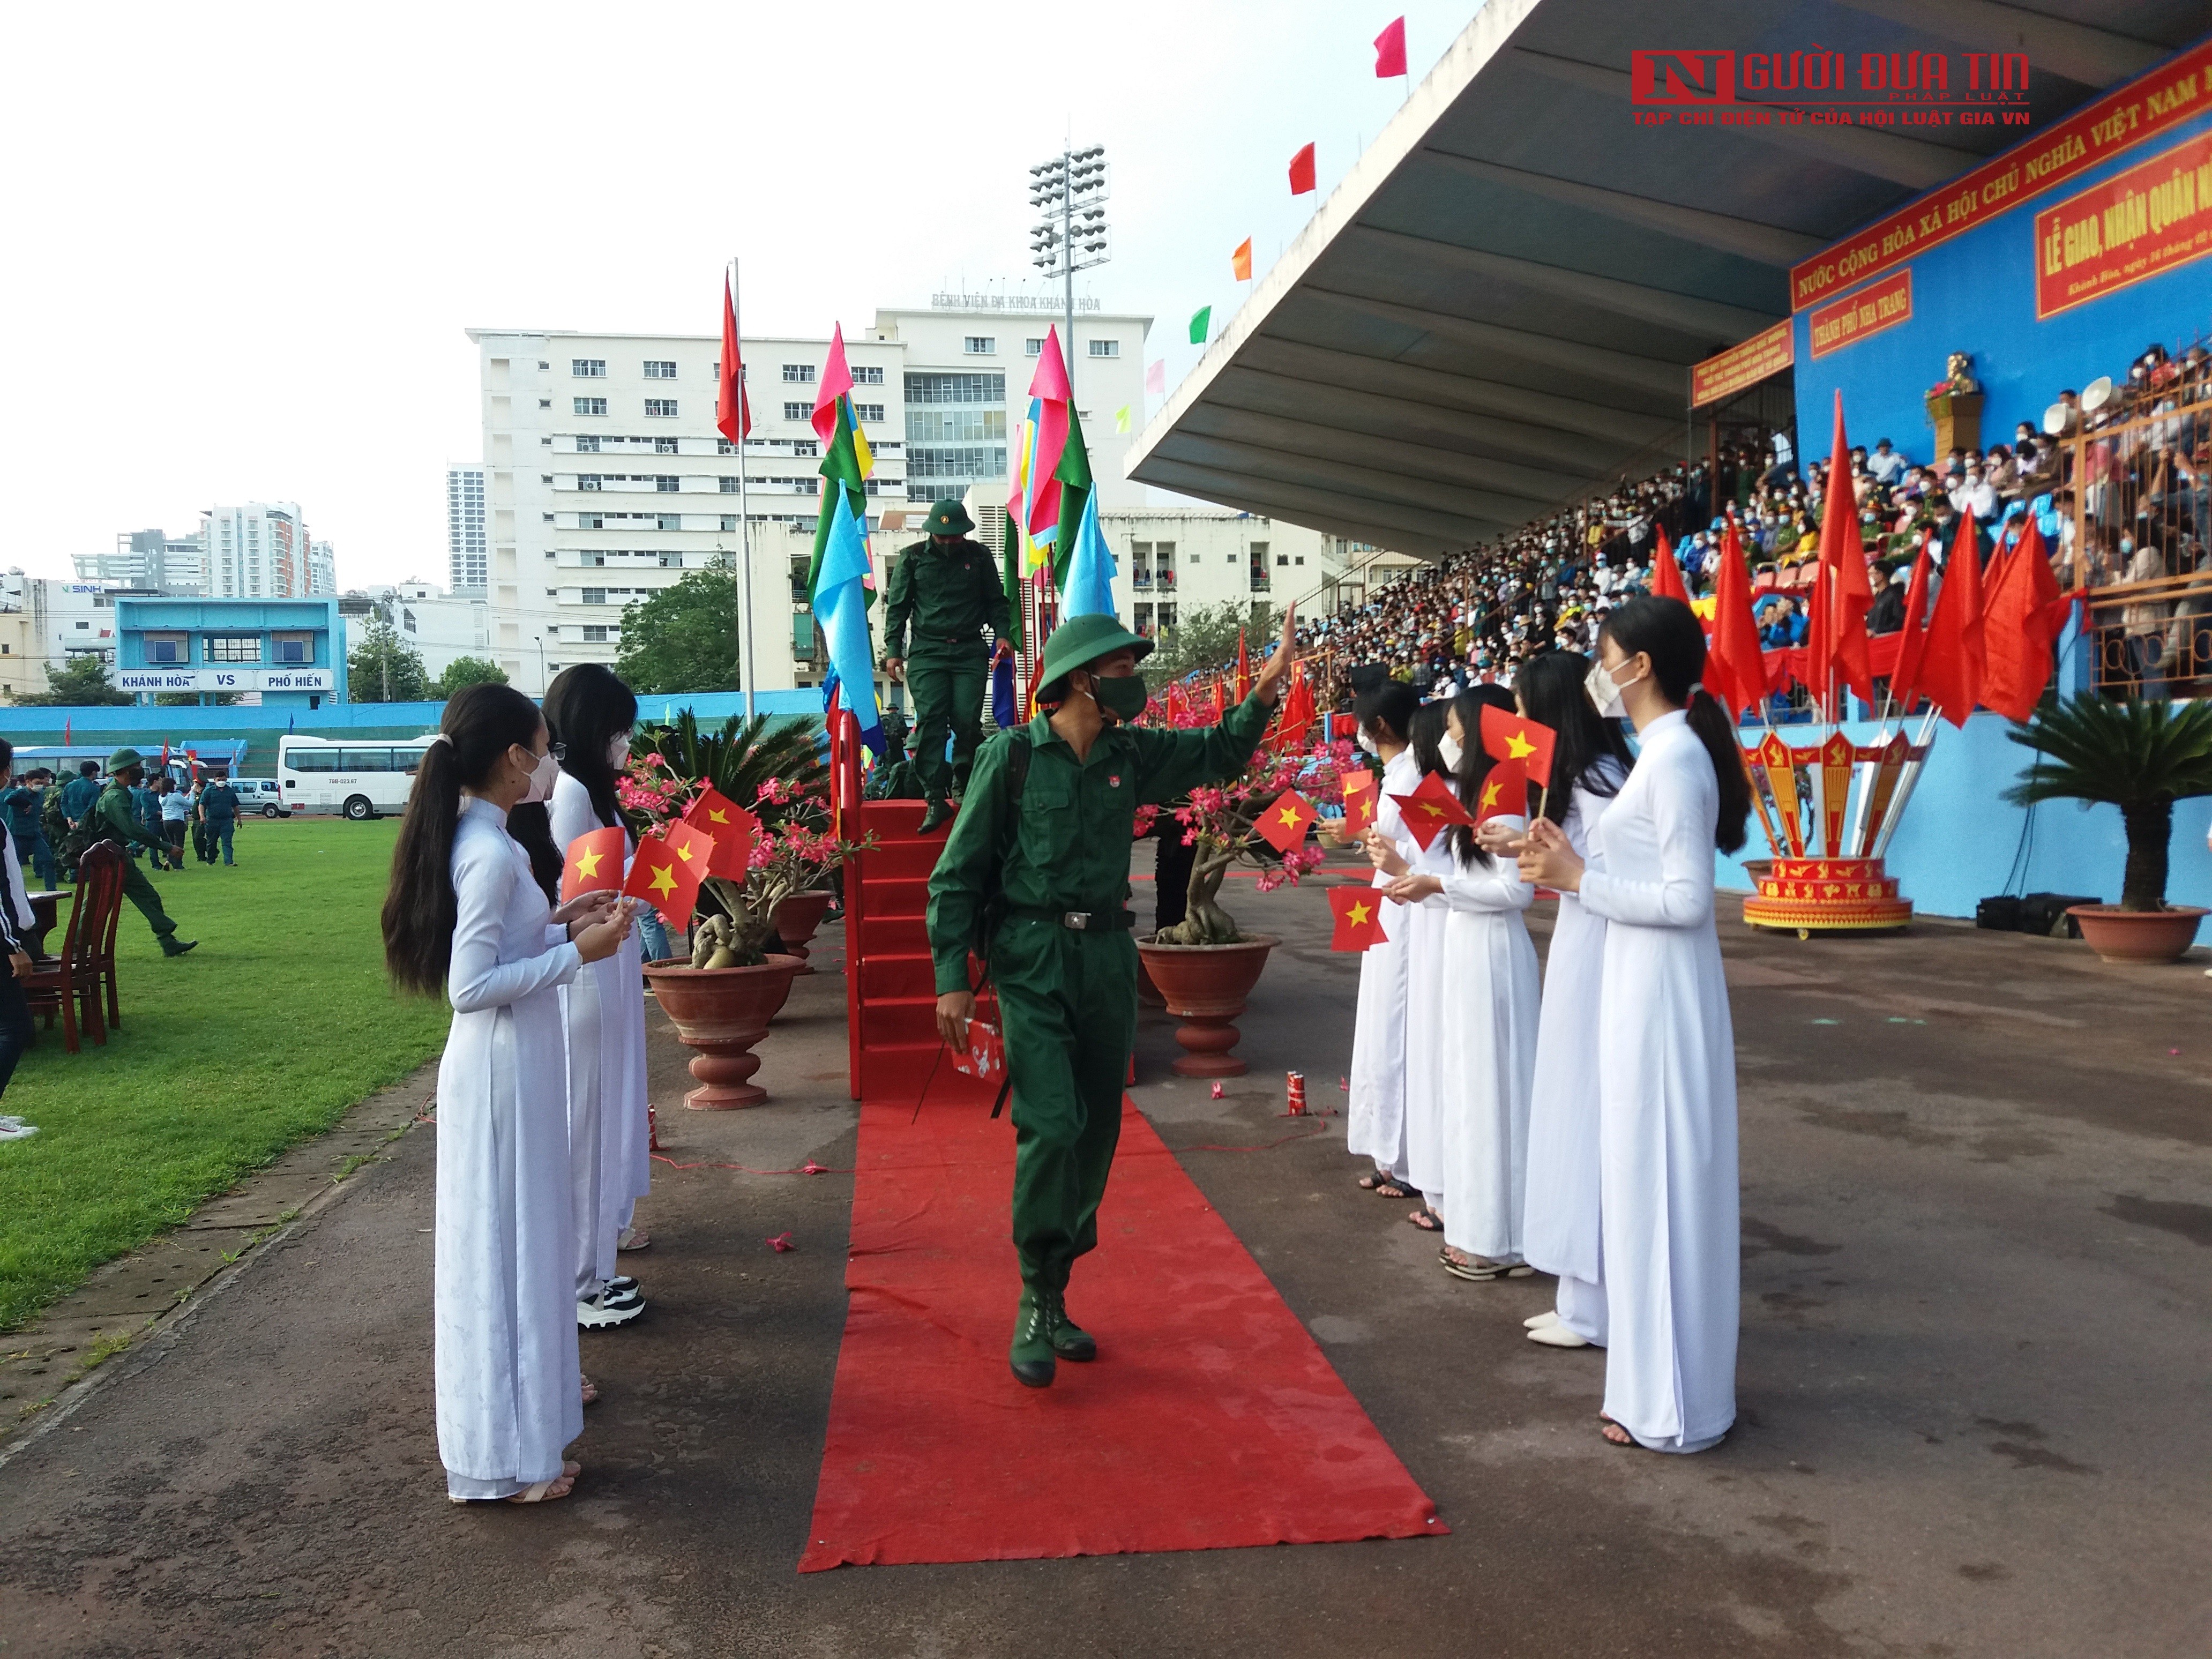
x=1727 y=373
x=2130 y=228
x=1847 y=321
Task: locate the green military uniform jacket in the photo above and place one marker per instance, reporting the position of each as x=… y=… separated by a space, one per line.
x=116 y=814
x=947 y=595
x=1071 y=848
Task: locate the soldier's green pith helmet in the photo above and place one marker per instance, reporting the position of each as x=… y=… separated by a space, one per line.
x=948 y=518
x=1081 y=640
x=123 y=757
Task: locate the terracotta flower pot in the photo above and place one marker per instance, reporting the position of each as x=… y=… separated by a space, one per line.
x=723 y=1012
x=1204 y=987
x=796 y=919
x=2117 y=935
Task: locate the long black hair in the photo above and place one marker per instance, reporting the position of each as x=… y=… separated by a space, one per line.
x=1474 y=762
x=1425 y=733
x=584 y=707
x=481 y=724
x=1388 y=708
x=1667 y=631
x=1588 y=750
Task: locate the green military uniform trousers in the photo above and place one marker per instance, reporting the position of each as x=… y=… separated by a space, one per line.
x=142 y=893
x=946 y=683
x=1067 y=1007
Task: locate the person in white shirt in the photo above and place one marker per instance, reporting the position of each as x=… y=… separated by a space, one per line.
x=16 y=920
x=1885 y=464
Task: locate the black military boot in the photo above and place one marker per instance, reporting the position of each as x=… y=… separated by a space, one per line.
x=1069 y=1339
x=1031 y=1353
x=938 y=814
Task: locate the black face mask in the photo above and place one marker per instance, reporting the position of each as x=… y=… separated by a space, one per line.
x=1123 y=695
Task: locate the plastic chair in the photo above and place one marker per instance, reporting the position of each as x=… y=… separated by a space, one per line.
x=70 y=984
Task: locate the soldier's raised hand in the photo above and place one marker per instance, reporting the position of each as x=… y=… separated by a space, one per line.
x=1269 y=688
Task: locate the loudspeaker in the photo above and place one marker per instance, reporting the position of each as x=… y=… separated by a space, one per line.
x=2046 y=913
x=2000 y=914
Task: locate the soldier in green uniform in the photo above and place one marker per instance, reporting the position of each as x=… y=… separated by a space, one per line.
x=948 y=588
x=115 y=818
x=1045 y=865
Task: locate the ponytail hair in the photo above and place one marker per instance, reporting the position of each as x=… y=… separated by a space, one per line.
x=1425 y=731
x=1666 y=631
x=530 y=824
x=482 y=723
x=1475 y=764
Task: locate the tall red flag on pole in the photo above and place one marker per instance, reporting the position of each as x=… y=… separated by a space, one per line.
x=1390 y=50
x=1951 y=664
x=1912 y=643
x=2020 y=627
x=1733 y=667
x=1243 y=669
x=1302 y=172
x=1842 y=595
x=733 y=413
x=1666 y=570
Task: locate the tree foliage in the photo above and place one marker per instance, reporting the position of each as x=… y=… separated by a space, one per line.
x=2139 y=757
x=82 y=680
x=464 y=671
x=384 y=668
x=1205 y=639
x=684 y=638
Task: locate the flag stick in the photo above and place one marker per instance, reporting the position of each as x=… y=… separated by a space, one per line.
x=748 y=665
x=1543 y=796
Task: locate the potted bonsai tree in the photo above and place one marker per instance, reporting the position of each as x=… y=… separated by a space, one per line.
x=2141 y=757
x=1205 y=966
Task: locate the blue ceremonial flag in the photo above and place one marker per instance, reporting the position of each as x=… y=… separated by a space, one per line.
x=1006 y=702
x=840 y=603
x=1089 y=589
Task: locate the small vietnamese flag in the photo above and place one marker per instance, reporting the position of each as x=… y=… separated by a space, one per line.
x=1515 y=738
x=1358 y=799
x=1240 y=263
x=731 y=826
x=1504 y=792
x=1358 y=912
x=694 y=848
x=1283 y=826
x=1431 y=808
x=1390 y=50
x=1302 y=171
x=663 y=880
x=593 y=863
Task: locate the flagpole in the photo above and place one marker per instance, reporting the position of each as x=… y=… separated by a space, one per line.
x=749 y=665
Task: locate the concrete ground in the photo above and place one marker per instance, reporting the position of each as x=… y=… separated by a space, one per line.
x=1977 y=1208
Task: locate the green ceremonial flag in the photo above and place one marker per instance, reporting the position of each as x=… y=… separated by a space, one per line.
x=1011 y=557
x=1075 y=475
x=840 y=470
x=1201 y=322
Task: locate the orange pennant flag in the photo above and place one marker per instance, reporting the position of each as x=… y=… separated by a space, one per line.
x=731 y=827
x=1283 y=826
x=1359 y=913
x=1504 y=792
x=1430 y=809
x=1358 y=799
x=1515 y=738
x=1241 y=261
x=593 y=863
x=663 y=880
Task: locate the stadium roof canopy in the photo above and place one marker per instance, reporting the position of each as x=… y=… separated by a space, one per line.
x=1494 y=315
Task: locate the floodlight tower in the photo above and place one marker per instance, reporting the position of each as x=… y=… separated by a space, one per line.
x=1070 y=192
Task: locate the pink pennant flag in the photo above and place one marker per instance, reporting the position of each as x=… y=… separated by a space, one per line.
x=836 y=381
x=1049 y=387
x=1156 y=378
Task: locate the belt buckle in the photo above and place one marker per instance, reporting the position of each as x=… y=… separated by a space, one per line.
x=1078 y=920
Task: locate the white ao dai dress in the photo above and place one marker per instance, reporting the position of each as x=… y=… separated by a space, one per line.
x=1375 y=1112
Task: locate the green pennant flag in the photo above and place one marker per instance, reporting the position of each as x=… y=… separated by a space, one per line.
x=1075 y=475
x=842 y=468
x=1010 y=548
x=1201 y=322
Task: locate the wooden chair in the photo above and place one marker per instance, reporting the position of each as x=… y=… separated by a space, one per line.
x=70 y=984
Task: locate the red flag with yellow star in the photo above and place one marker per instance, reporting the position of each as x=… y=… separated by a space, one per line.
x=731 y=827
x=593 y=863
x=1504 y=792
x=1517 y=738
x=1358 y=799
x=1283 y=826
x=1358 y=912
x=1430 y=809
x=670 y=883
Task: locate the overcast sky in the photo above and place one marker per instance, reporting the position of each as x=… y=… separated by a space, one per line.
x=245 y=239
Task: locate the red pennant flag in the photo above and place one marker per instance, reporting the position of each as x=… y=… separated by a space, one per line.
x=1913 y=641
x=1220 y=702
x=1515 y=738
x=733 y=411
x=1836 y=641
x=836 y=381
x=1243 y=669
x=1504 y=792
x=1359 y=913
x=730 y=826
x=1283 y=826
x=1298 y=713
x=664 y=881
x=1390 y=50
x=1358 y=799
x=1734 y=668
x=593 y=862
x=2023 y=618
x=1950 y=662
x=1432 y=808
x=1302 y=172
x=1666 y=570
x=1240 y=262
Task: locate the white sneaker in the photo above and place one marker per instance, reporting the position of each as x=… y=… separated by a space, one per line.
x=601 y=1314
x=1538 y=1321
x=622 y=1288
x=14 y=1129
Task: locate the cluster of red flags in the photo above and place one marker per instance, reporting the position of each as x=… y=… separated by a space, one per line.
x=1389 y=63
x=715 y=837
x=1430 y=809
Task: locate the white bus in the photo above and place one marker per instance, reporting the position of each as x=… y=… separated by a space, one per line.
x=362 y=778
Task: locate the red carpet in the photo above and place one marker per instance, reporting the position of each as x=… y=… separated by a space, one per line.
x=1210 y=1420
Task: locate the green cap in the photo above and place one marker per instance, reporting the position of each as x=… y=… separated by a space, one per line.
x=948 y=518
x=1083 y=640
x=123 y=757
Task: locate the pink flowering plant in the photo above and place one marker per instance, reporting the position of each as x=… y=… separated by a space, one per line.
x=1219 y=822
x=775 y=773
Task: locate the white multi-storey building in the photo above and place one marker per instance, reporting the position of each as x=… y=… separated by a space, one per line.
x=322 y=570
x=440 y=626
x=468 y=547
x=606 y=480
x=258 y=550
x=149 y=559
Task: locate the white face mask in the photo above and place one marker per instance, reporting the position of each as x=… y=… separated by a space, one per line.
x=1367 y=743
x=1448 y=746
x=1604 y=691
x=619 y=750
x=542 y=779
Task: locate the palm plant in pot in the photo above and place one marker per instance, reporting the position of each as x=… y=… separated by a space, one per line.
x=2141 y=757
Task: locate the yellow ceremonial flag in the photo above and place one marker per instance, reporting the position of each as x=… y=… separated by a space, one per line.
x=1121 y=418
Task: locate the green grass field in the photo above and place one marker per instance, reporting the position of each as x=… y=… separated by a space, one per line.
x=280 y=1021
